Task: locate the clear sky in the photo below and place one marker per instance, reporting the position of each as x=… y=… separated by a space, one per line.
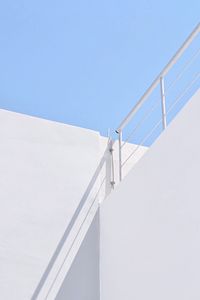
x=86 y=63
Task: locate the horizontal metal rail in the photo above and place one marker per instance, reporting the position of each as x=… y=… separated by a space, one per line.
x=184 y=69
x=183 y=93
x=157 y=80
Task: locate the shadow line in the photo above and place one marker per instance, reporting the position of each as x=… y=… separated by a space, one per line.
x=69 y=227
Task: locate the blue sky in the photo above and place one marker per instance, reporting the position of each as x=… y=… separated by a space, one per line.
x=86 y=63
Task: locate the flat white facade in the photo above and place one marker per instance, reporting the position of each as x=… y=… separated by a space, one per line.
x=150 y=225
x=45 y=169
x=55 y=243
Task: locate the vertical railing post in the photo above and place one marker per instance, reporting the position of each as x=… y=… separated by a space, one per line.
x=112 y=180
x=163 y=103
x=120 y=155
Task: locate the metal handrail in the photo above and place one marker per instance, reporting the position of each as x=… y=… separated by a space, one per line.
x=186 y=66
x=196 y=77
x=182 y=94
x=138 y=126
x=170 y=64
x=159 y=80
x=157 y=104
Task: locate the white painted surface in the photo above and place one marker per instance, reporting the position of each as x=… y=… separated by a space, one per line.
x=82 y=280
x=127 y=150
x=150 y=226
x=53 y=280
x=44 y=170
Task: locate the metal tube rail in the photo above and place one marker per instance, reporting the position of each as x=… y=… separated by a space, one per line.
x=163 y=104
x=120 y=155
x=157 y=80
x=184 y=69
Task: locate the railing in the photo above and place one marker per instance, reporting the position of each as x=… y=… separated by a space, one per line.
x=149 y=111
x=146 y=109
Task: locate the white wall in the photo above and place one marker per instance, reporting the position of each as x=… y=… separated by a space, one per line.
x=150 y=226
x=45 y=168
x=82 y=280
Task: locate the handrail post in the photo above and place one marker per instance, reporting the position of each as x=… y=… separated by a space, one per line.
x=155 y=83
x=120 y=155
x=163 y=103
x=112 y=181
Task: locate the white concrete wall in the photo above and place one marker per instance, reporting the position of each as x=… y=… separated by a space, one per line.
x=45 y=168
x=82 y=280
x=150 y=225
